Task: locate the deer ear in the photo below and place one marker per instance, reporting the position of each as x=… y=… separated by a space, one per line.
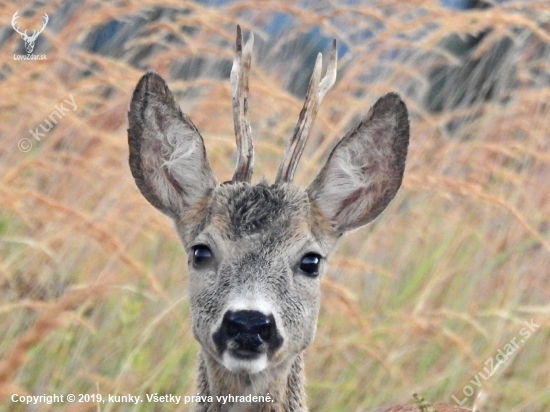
x=365 y=169
x=167 y=155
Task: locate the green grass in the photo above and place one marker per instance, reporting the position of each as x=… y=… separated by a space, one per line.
x=415 y=303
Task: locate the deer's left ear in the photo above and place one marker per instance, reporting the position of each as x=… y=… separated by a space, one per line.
x=365 y=169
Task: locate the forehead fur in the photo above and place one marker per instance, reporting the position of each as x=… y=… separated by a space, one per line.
x=238 y=209
x=243 y=209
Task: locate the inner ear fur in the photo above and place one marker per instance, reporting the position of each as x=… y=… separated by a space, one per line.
x=365 y=170
x=167 y=154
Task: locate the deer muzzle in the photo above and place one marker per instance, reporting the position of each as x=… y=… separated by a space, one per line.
x=247 y=335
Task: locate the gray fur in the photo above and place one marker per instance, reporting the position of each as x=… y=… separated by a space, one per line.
x=258 y=234
x=252 y=232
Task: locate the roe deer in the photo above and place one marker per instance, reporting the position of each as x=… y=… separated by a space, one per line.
x=256 y=252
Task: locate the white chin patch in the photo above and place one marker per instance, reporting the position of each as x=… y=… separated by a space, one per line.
x=251 y=366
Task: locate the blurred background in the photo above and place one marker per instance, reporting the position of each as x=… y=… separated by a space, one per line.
x=93 y=280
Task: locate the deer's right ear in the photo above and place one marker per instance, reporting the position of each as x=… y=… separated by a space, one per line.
x=167 y=155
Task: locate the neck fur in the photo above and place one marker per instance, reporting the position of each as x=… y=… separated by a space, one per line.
x=285 y=385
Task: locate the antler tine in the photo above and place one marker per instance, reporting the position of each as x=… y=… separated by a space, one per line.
x=315 y=94
x=46 y=20
x=13 y=19
x=35 y=33
x=330 y=75
x=239 y=89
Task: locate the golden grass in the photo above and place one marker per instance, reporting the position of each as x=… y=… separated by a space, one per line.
x=93 y=280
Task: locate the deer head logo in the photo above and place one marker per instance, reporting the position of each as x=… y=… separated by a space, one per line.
x=29 y=40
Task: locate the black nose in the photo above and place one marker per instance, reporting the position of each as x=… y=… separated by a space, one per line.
x=248 y=332
x=249 y=322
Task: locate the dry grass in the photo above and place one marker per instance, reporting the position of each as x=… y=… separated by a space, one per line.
x=93 y=280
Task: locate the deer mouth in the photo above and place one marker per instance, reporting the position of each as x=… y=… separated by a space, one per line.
x=250 y=363
x=246 y=346
x=245 y=353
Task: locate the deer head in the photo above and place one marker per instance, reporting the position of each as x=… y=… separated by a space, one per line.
x=29 y=40
x=257 y=251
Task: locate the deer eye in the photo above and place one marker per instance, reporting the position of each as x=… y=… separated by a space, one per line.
x=201 y=255
x=310 y=264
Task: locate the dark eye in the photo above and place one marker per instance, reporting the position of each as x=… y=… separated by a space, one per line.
x=310 y=264
x=201 y=255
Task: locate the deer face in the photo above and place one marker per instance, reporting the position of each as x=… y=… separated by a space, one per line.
x=255 y=259
x=29 y=43
x=256 y=252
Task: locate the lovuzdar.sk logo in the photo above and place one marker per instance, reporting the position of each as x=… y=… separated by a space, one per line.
x=29 y=39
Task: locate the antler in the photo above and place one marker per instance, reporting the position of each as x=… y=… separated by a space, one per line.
x=15 y=17
x=239 y=89
x=35 y=33
x=315 y=94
